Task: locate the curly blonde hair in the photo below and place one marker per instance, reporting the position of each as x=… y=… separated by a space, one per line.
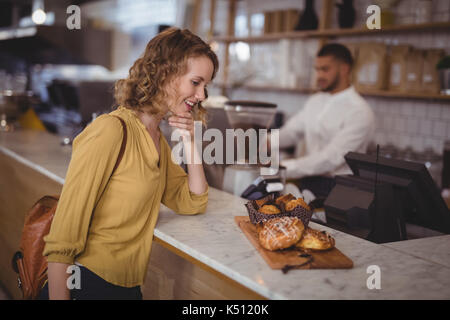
x=165 y=57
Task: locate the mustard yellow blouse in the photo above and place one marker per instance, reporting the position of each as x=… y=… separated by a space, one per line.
x=112 y=235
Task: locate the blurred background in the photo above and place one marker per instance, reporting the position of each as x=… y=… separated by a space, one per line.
x=266 y=49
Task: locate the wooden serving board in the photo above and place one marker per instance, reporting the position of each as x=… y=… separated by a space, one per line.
x=294 y=258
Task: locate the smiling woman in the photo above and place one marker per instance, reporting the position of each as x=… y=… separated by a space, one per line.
x=105 y=217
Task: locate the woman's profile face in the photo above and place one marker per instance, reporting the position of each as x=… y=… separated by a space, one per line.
x=190 y=88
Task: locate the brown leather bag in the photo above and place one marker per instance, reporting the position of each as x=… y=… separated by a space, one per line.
x=29 y=262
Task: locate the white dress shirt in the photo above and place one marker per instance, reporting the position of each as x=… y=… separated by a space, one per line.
x=331 y=125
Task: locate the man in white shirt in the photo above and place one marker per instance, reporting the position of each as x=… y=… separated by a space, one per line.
x=333 y=122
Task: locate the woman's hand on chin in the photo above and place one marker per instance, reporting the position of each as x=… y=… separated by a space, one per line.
x=184 y=122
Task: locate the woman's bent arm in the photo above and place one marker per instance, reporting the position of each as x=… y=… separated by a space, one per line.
x=57 y=281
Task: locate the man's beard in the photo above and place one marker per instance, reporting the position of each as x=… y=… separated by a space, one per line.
x=333 y=85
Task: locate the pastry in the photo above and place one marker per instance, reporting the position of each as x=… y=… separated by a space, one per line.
x=284 y=199
x=316 y=240
x=261 y=202
x=269 y=209
x=292 y=204
x=280 y=233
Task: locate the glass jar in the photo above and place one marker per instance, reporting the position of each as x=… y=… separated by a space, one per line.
x=424 y=11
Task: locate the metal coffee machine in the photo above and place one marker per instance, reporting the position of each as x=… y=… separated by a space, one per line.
x=245 y=179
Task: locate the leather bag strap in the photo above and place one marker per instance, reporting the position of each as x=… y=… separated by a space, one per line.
x=122 y=147
x=121 y=152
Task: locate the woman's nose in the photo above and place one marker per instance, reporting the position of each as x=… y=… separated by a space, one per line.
x=200 y=94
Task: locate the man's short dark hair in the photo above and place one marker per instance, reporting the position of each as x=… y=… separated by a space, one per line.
x=338 y=51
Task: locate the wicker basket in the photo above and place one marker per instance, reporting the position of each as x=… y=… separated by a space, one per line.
x=257 y=217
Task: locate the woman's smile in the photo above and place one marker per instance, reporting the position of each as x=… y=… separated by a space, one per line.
x=189 y=105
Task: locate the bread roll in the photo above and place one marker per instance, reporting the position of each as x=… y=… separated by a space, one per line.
x=269 y=209
x=281 y=233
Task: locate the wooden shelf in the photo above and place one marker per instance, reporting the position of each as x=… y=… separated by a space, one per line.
x=406 y=95
x=323 y=34
x=336 y=32
x=377 y=93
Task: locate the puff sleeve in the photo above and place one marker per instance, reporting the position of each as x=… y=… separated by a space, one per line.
x=95 y=151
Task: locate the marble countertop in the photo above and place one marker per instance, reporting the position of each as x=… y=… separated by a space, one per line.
x=434 y=249
x=213 y=238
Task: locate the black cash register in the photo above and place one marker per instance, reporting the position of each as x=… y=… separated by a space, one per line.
x=383 y=195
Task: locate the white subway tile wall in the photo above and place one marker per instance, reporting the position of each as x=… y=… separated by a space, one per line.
x=448 y=130
x=412 y=123
x=439 y=129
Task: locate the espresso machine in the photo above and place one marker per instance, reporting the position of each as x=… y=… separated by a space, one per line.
x=245 y=180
